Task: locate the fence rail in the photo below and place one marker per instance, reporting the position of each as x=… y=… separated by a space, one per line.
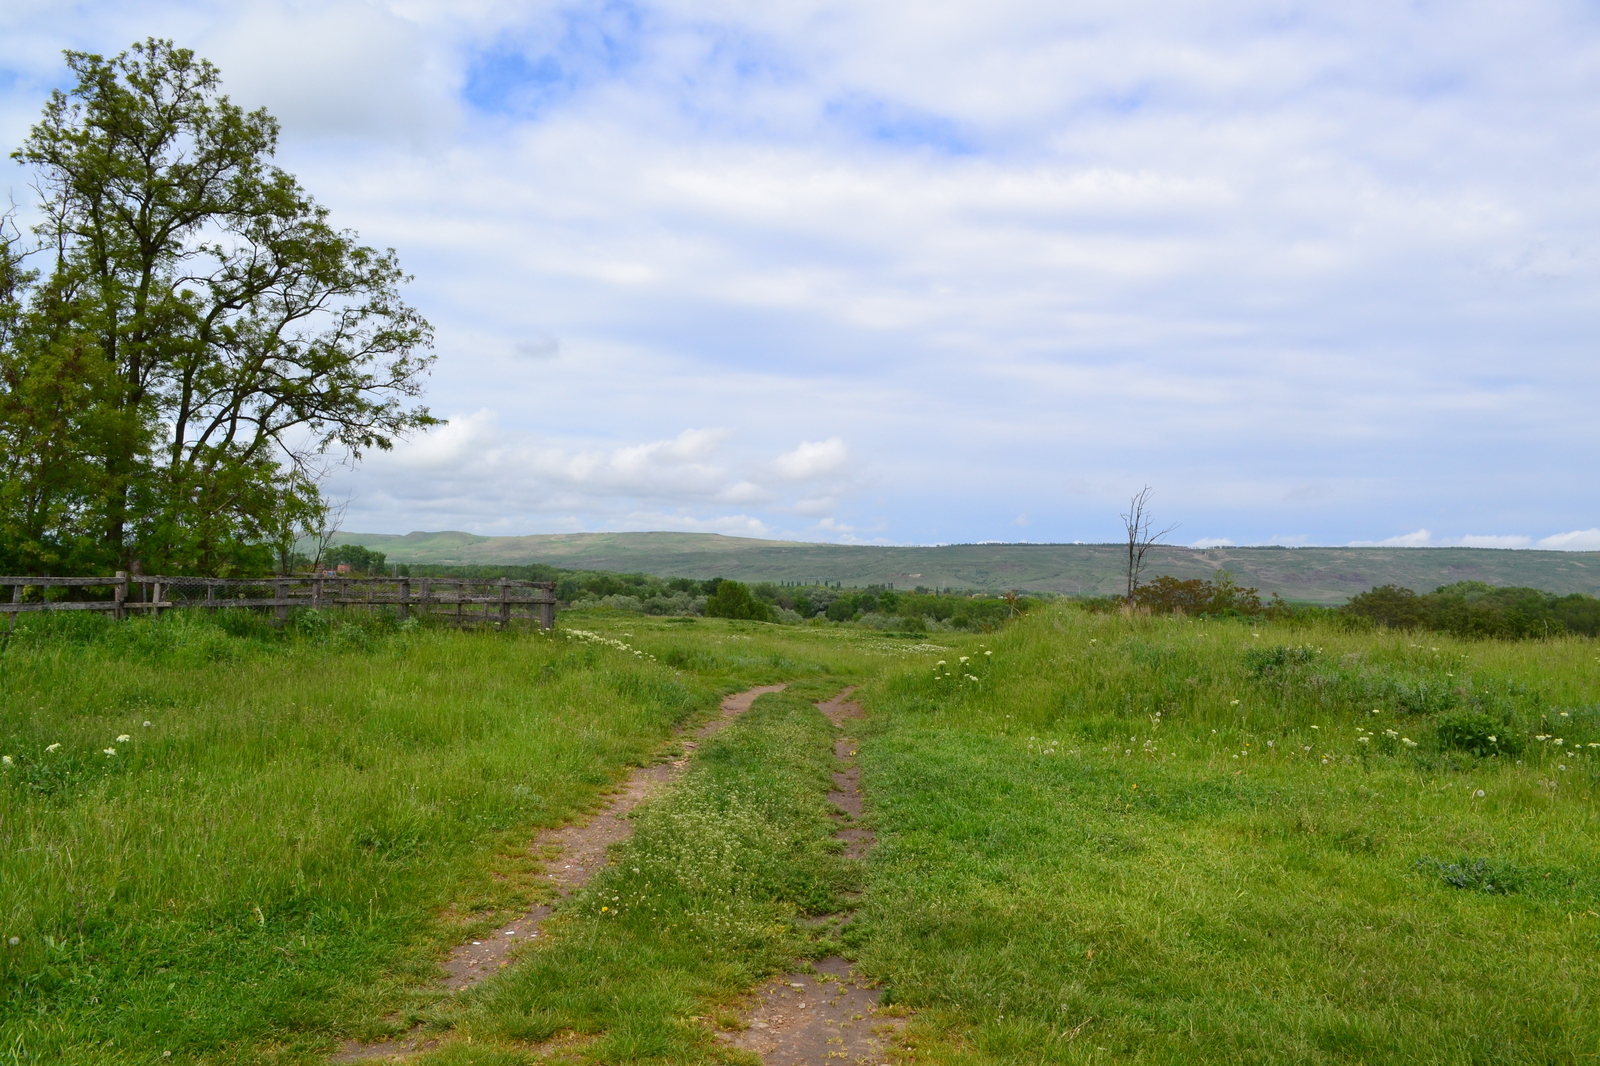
x=500 y=601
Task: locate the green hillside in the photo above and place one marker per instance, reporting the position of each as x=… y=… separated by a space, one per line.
x=1320 y=575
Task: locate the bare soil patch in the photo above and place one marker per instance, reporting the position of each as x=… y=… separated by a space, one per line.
x=573 y=854
x=829 y=1016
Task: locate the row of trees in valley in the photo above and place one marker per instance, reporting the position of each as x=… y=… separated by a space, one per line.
x=185 y=338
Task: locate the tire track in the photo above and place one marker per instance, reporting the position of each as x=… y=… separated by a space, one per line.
x=578 y=851
x=829 y=1016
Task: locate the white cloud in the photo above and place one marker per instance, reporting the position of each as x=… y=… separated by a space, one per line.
x=1420 y=539
x=1579 y=540
x=1493 y=541
x=813 y=459
x=1212 y=542
x=1335 y=270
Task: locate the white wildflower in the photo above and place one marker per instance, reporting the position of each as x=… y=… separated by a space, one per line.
x=124 y=738
x=54 y=747
x=109 y=751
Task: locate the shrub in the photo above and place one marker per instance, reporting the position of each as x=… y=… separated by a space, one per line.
x=733 y=600
x=1389 y=605
x=1168 y=595
x=1476 y=732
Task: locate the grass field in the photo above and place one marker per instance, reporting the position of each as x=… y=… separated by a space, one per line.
x=1146 y=840
x=1102 y=838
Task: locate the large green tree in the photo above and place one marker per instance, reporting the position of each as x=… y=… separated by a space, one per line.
x=200 y=341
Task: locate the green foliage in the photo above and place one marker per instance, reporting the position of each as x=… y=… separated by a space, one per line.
x=203 y=334
x=733 y=600
x=1478 y=733
x=1476 y=609
x=1275 y=660
x=1220 y=598
x=1475 y=875
x=359 y=559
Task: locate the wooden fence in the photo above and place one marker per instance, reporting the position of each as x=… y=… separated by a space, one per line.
x=458 y=600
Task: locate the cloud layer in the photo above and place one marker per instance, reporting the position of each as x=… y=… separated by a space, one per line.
x=1316 y=273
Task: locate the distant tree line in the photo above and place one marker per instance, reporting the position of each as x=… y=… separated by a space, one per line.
x=1466 y=608
x=1476 y=609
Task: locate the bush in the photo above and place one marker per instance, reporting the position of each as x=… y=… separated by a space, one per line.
x=1223 y=597
x=1476 y=732
x=1388 y=605
x=1476 y=609
x=733 y=600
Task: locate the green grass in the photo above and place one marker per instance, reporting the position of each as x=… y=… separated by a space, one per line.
x=306 y=822
x=1152 y=840
x=698 y=906
x=1101 y=838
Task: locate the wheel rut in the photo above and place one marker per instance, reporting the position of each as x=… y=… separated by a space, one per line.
x=574 y=854
x=830 y=1015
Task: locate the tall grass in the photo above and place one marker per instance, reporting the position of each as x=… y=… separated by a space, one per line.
x=215 y=840
x=1178 y=841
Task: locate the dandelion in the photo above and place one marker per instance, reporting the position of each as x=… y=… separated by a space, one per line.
x=54 y=747
x=14 y=941
x=147 y=725
x=109 y=751
x=123 y=739
x=1478 y=794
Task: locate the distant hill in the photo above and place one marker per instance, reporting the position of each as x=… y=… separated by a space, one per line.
x=1317 y=575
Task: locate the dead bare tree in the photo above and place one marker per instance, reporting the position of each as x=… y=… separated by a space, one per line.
x=1140 y=540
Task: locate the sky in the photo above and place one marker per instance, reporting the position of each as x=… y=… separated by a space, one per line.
x=937 y=272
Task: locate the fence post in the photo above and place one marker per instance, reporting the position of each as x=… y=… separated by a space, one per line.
x=427 y=591
x=547 y=609
x=460 y=606
x=119 y=595
x=405 y=598
x=16 y=597
x=505 y=603
x=316 y=593
x=155 y=600
x=280 y=592
x=211 y=598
